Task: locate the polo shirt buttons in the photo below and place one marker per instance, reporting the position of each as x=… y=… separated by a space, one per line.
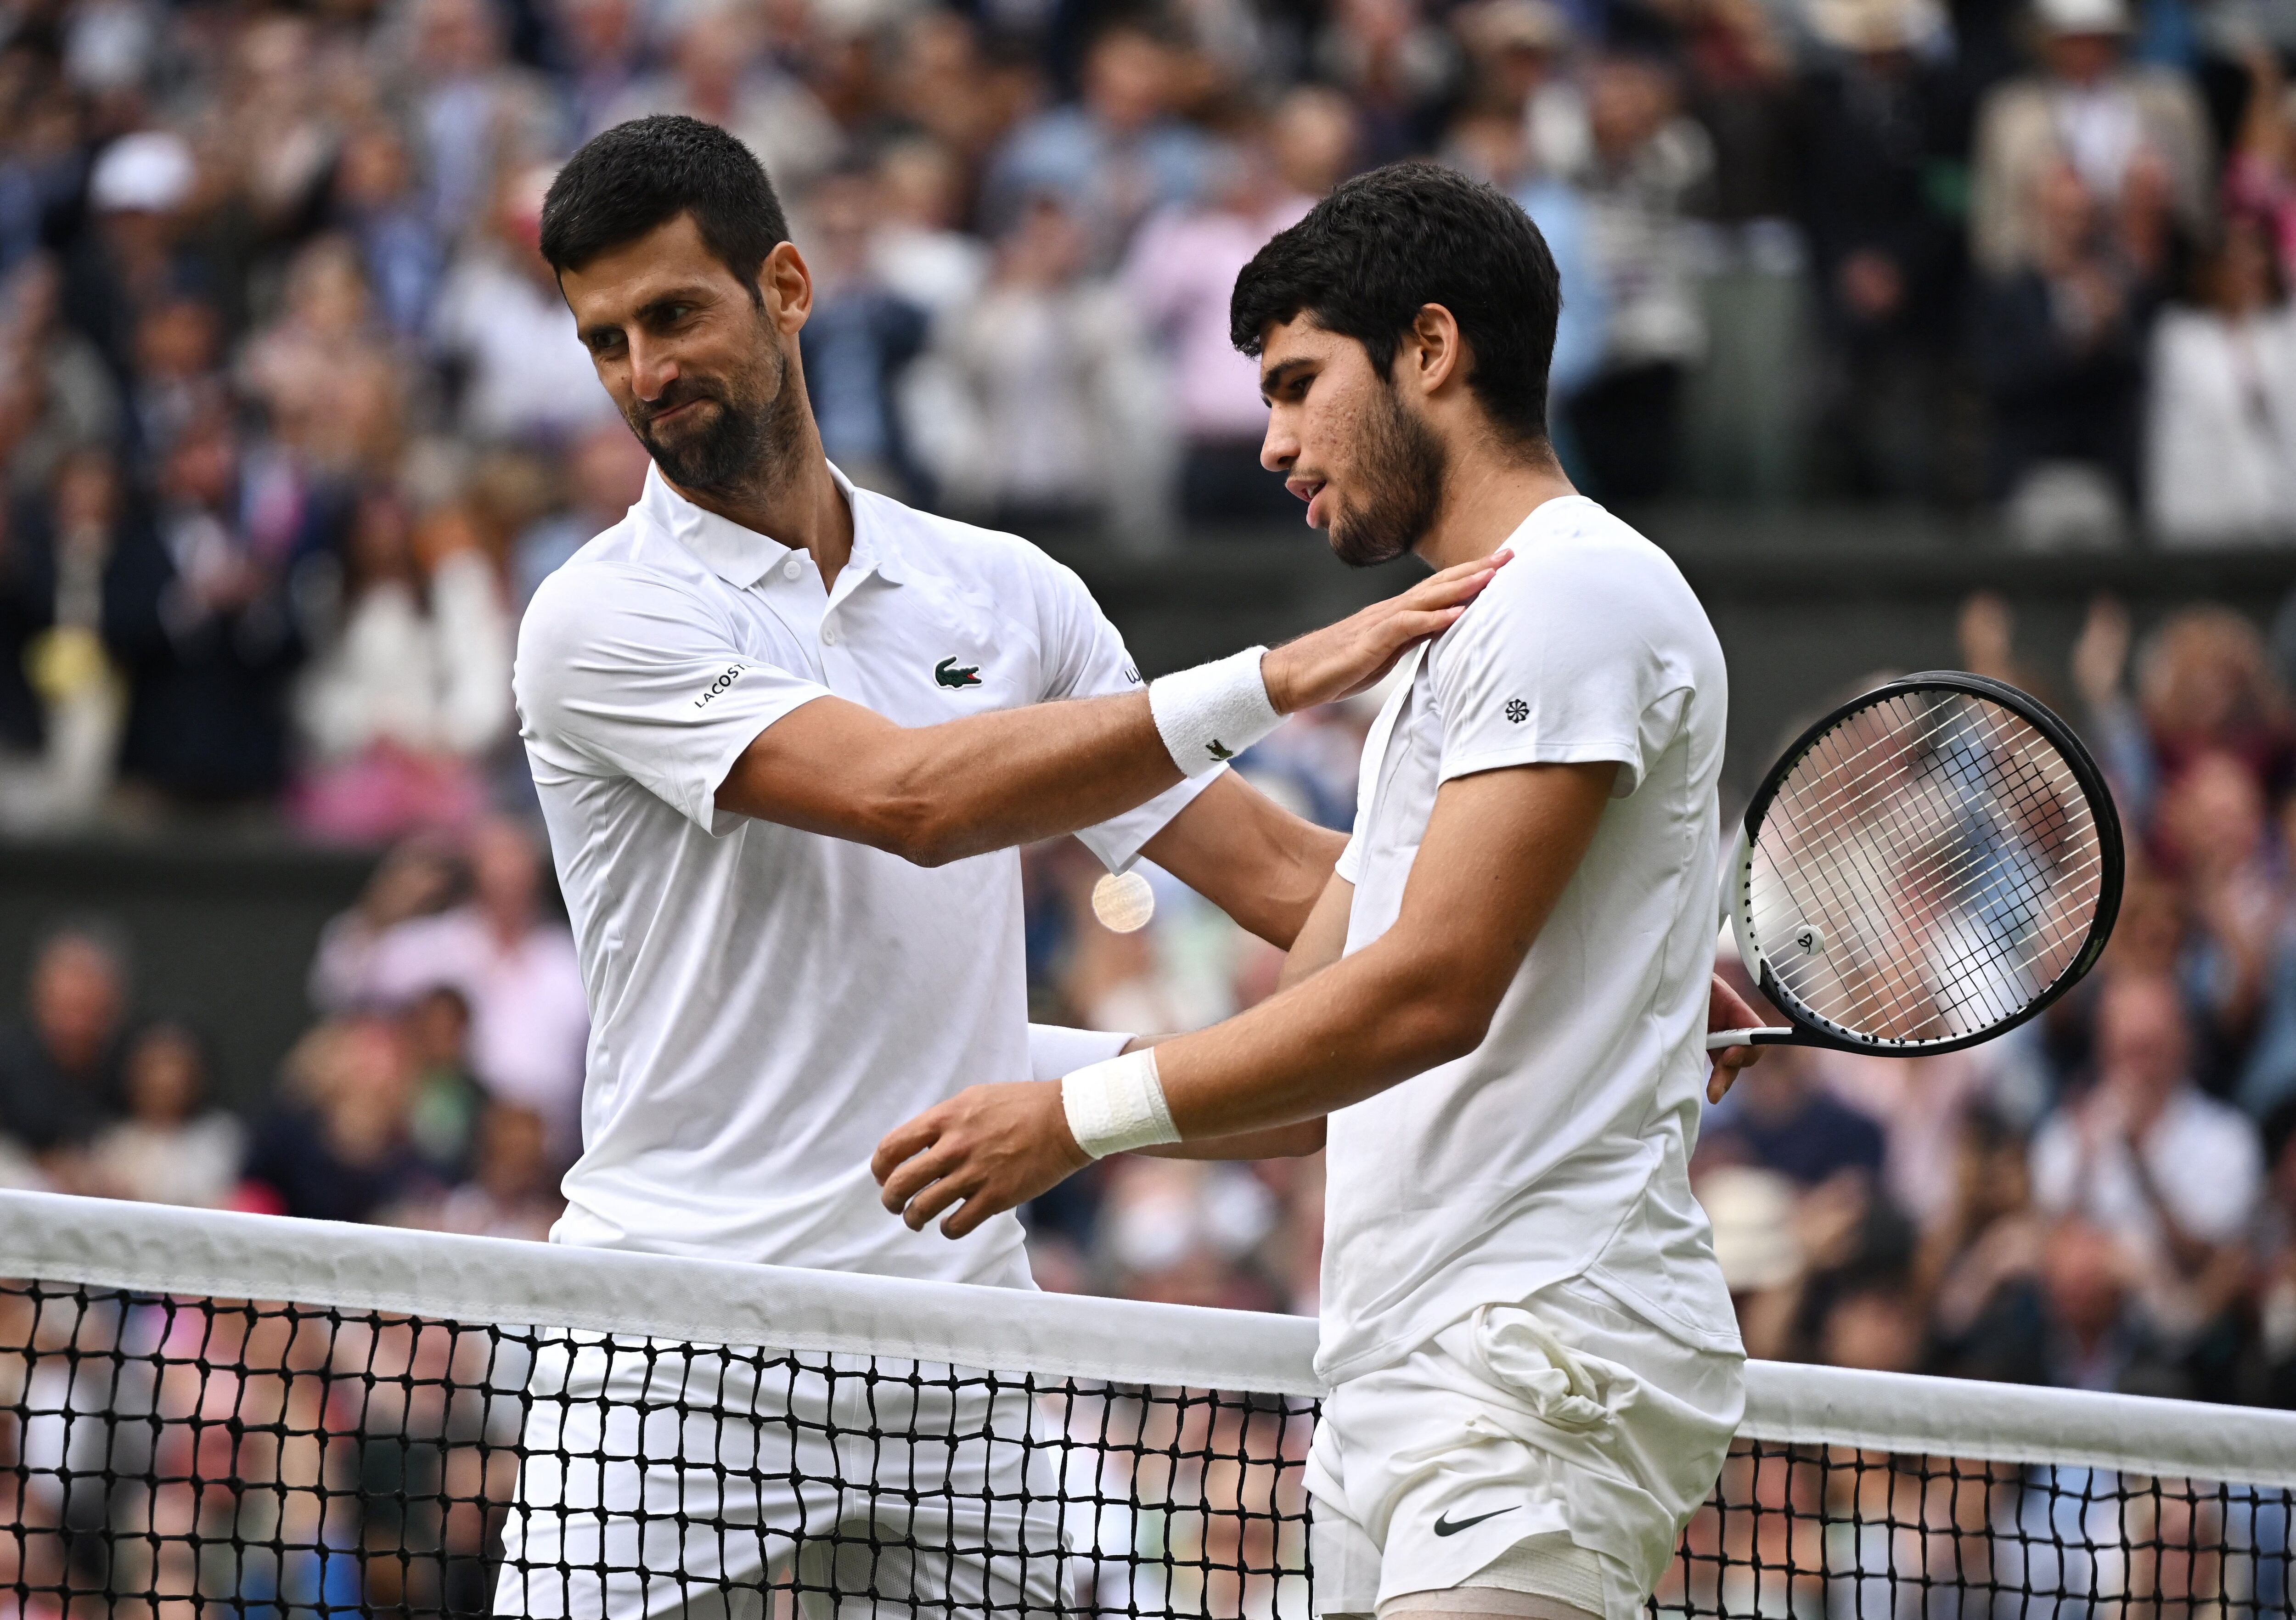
x=792 y=568
x=829 y=635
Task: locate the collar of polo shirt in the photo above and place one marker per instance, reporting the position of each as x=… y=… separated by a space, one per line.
x=741 y=557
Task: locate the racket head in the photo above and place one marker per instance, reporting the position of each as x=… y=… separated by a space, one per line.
x=1926 y=867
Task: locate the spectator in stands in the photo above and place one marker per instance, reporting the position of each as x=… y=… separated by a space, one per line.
x=78 y=397
x=179 y=377
x=476 y=117
x=415 y=686
x=2125 y=1155
x=1780 y=1117
x=513 y=1190
x=860 y=338
x=60 y=1067
x=1181 y=269
x=2221 y=416
x=1038 y=406
x=2059 y=347
x=2135 y=139
x=419 y=877
x=442 y=1119
x=1879 y=119
x=596 y=46
x=202 y=622
x=1647 y=160
x=1110 y=158
x=2075 y=1319
x=375 y=201
x=174 y=1145
x=719 y=72
x=134 y=253
x=503 y=329
x=334 y=1145
x=605 y=474
x=917 y=251
x=2261 y=178
x=515 y=967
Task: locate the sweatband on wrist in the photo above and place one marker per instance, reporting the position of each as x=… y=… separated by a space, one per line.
x=1055 y=1051
x=1212 y=713
x=1118 y=1105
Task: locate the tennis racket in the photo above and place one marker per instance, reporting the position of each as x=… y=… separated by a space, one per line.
x=1928 y=865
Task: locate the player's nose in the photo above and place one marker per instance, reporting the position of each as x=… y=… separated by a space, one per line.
x=652 y=369
x=1279 y=449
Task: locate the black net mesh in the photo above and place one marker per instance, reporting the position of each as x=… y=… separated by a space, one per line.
x=1928 y=869
x=170 y=1457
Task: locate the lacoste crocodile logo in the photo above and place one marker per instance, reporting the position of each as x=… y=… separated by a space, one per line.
x=1218 y=750
x=947 y=673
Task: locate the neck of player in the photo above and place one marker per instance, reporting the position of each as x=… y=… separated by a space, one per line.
x=793 y=500
x=1489 y=490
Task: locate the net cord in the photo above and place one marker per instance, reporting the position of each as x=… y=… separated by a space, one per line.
x=213 y=1254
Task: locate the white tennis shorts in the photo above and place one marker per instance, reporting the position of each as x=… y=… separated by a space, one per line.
x=661 y=1479
x=1556 y=1447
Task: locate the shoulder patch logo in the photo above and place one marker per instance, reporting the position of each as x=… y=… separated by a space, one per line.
x=1517 y=710
x=950 y=674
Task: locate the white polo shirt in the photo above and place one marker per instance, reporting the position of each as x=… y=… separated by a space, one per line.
x=764 y=1002
x=1560 y=1147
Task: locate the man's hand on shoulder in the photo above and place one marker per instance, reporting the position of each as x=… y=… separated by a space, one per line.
x=1355 y=655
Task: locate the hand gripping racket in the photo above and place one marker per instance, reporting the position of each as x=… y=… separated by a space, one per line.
x=1930 y=864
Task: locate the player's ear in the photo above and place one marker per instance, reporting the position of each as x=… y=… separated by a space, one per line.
x=1434 y=347
x=786 y=286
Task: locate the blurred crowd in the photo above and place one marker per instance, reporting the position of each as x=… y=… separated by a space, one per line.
x=292 y=419
x=2104 y=1199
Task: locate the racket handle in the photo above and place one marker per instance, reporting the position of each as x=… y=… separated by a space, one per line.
x=1722 y=1038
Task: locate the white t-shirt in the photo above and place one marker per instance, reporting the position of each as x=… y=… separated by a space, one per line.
x=1560 y=1147
x=764 y=1002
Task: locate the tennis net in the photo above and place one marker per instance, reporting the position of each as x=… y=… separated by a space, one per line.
x=208 y=1414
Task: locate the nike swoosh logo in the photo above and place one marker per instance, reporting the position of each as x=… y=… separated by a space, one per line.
x=1444 y=1526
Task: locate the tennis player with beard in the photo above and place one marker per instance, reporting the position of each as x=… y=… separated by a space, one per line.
x=785 y=734
x=1493 y=1018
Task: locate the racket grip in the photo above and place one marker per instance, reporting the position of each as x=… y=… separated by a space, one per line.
x=1722 y=1038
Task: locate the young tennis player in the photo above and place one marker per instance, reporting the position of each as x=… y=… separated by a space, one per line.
x=1495 y=1015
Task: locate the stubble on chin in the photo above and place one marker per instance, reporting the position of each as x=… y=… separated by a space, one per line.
x=1402 y=467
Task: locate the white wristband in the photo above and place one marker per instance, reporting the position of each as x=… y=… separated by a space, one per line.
x=1118 y=1105
x=1209 y=714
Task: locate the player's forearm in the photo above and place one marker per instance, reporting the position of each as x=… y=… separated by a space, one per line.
x=938 y=793
x=1259 y=863
x=990 y=781
x=1369 y=1021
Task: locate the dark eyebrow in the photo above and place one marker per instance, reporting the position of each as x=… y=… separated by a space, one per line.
x=1278 y=376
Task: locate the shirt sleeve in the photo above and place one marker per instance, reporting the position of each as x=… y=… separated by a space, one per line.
x=1085 y=658
x=620 y=672
x=1547 y=668
x=1056 y=1050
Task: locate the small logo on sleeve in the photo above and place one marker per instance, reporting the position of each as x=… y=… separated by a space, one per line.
x=731 y=675
x=1132 y=673
x=950 y=674
x=1517 y=710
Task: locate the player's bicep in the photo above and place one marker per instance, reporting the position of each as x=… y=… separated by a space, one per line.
x=1500 y=848
x=831 y=767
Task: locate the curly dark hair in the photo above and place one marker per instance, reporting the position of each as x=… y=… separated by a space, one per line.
x=1367 y=257
x=629 y=179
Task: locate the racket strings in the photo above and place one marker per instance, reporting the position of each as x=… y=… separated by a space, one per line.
x=2011 y=800
x=1885 y=991
x=1949 y=861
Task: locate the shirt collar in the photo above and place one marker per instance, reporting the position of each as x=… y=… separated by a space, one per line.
x=741 y=557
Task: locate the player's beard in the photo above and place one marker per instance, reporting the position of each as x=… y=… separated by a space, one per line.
x=749 y=437
x=1399 y=474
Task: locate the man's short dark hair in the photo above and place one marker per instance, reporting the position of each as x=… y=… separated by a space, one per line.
x=635 y=177
x=1368 y=256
